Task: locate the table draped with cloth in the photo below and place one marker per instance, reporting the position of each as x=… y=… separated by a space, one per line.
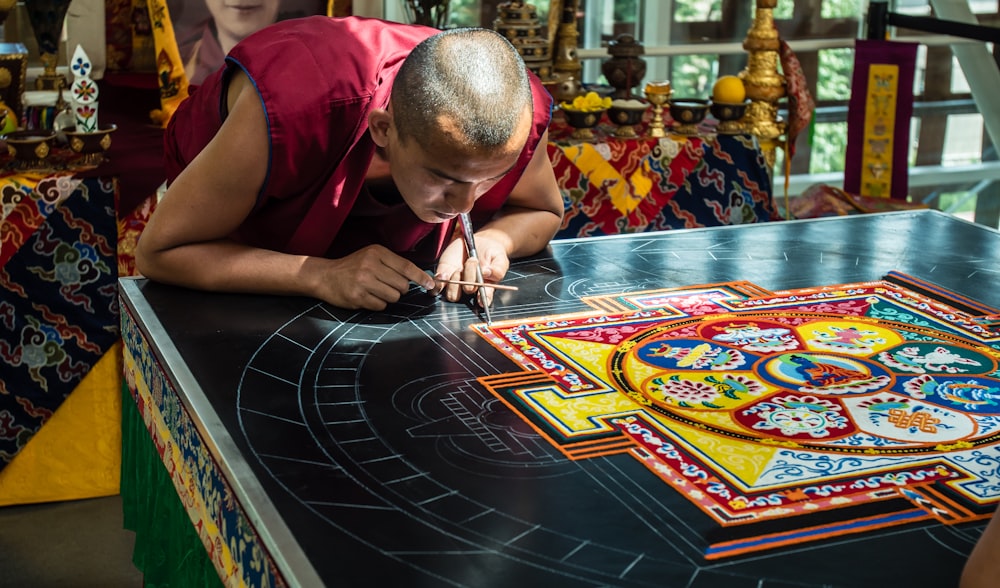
x=67 y=232
x=58 y=272
x=614 y=185
x=62 y=249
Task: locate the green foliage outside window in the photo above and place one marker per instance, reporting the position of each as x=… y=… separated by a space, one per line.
x=842 y=8
x=828 y=147
x=697 y=10
x=464 y=13
x=692 y=76
x=625 y=11
x=784 y=9
x=836 y=67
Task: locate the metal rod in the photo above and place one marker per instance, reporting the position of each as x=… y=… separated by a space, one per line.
x=878 y=21
x=479 y=284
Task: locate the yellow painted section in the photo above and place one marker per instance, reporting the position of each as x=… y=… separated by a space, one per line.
x=77 y=453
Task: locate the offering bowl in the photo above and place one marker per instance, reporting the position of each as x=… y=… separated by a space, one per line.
x=626 y=114
x=91 y=145
x=729 y=115
x=583 y=121
x=30 y=148
x=688 y=114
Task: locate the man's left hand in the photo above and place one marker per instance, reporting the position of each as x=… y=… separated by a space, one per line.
x=455 y=265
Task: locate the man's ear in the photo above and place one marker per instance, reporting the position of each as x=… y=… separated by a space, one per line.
x=379 y=121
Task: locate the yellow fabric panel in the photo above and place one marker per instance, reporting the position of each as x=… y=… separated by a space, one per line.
x=600 y=172
x=169 y=67
x=880 y=130
x=77 y=454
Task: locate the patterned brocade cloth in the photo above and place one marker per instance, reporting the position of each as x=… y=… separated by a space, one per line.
x=60 y=257
x=612 y=185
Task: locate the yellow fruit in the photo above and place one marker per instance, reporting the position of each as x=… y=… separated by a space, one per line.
x=8 y=122
x=729 y=90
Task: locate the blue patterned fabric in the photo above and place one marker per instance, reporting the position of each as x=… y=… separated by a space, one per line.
x=58 y=297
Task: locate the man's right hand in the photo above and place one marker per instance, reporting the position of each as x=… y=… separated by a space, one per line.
x=370 y=278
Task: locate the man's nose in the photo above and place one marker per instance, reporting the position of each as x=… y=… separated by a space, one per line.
x=461 y=196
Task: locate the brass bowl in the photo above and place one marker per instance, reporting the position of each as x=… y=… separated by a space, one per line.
x=91 y=145
x=583 y=121
x=92 y=142
x=627 y=114
x=688 y=114
x=30 y=148
x=729 y=115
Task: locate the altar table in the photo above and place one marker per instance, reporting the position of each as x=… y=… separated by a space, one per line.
x=304 y=445
x=66 y=234
x=614 y=185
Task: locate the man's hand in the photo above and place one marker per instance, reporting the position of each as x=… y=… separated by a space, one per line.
x=454 y=265
x=370 y=278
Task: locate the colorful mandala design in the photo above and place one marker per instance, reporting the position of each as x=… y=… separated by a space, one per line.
x=812 y=378
x=758 y=406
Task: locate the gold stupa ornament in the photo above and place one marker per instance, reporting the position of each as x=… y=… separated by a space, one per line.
x=47 y=18
x=564 y=81
x=765 y=86
x=518 y=21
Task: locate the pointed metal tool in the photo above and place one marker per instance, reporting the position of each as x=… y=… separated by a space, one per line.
x=470 y=248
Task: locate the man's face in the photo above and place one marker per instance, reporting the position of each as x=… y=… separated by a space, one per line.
x=239 y=18
x=444 y=178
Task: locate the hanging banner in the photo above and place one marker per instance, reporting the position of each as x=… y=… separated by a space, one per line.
x=878 y=119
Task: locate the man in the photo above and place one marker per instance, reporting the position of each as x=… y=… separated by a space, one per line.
x=332 y=156
x=983 y=568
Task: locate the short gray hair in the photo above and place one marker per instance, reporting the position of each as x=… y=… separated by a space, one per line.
x=473 y=76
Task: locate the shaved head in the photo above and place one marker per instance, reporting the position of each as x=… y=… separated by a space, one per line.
x=472 y=80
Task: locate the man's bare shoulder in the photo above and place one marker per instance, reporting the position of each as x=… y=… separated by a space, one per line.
x=238 y=85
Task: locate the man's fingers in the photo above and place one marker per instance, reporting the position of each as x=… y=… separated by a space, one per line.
x=450 y=292
x=412 y=273
x=471 y=273
x=486 y=297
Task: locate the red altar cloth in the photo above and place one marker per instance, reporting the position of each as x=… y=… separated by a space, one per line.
x=628 y=185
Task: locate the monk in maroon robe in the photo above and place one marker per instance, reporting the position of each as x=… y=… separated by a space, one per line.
x=331 y=157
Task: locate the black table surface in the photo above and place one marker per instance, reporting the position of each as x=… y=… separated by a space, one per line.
x=338 y=423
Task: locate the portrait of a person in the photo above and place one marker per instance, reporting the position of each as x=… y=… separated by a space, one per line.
x=207 y=29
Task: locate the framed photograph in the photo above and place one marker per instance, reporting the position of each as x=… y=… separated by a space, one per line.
x=206 y=30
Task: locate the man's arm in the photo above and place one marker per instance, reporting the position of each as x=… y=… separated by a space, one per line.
x=983 y=568
x=533 y=212
x=186 y=242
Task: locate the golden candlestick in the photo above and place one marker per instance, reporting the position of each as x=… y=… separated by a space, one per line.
x=564 y=82
x=765 y=86
x=566 y=62
x=657 y=93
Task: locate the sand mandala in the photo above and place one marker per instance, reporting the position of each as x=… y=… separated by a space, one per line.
x=784 y=416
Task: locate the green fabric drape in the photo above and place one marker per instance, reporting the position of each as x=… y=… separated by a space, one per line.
x=167 y=550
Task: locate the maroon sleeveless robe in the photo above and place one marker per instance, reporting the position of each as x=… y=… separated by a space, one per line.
x=318 y=78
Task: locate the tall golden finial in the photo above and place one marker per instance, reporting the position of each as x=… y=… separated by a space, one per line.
x=765 y=86
x=565 y=81
x=566 y=61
